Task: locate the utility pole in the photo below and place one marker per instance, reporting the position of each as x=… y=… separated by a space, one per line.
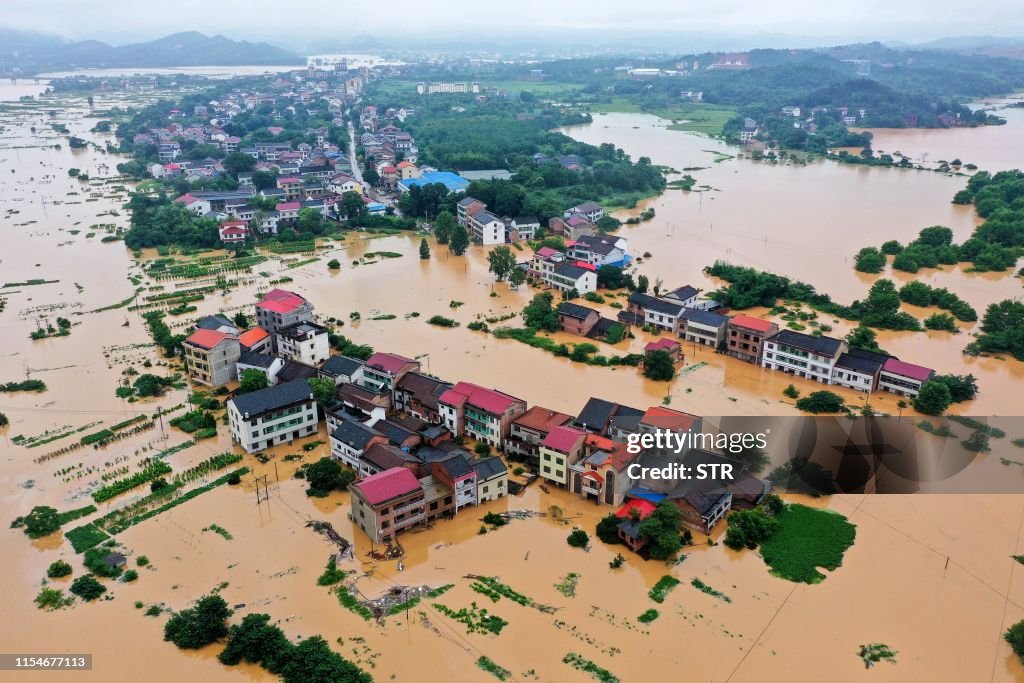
x=266 y=491
x=160 y=416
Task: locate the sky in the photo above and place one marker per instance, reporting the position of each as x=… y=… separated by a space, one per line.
x=127 y=21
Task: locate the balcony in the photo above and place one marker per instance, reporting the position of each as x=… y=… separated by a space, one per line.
x=591 y=490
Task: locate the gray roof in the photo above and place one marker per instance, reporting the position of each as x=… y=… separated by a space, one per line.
x=485 y=216
x=212 y=322
x=867 y=366
x=574 y=310
x=456 y=467
x=596 y=244
x=705 y=317
x=255 y=359
x=273 y=398
x=488 y=468
x=396 y=433
x=466 y=201
x=683 y=293
x=653 y=303
x=596 y=413
x=569 y=270
x=353 y=434
x=337 y=366
x=822 y=345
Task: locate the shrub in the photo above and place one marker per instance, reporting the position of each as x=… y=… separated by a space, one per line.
x=441 y=321
x=59 y=569
x=142 y=561
x=791 y=391
x=821 y=402
x=933 y=398
x=130 y=575
x=1015 y=637
x=87 y=587
x=197 y=626
x=52 y=598
x=648 y=616
x=333 y=264
x=578 y=538
x=608 y=529
x=748 y=528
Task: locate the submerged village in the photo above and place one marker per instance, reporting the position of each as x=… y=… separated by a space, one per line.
x=344 y=388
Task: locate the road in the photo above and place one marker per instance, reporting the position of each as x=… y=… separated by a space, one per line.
x=356 y=173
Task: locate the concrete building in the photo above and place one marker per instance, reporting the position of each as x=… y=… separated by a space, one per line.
x=387 y=503
x=211 y=357
x=529 y=430
x=561 y=448
x=304 y=342
x=905 y=379
x=483 y=414
x=803 y=355
x=280 y=308
x=491 y=479
x=274 y=415
x=703 y=327
x=745 y=336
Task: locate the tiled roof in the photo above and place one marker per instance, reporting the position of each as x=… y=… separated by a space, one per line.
x=212 y=322
x=489 y=400
x=569 y=270
x=696 y=315
x=666 y=418
x=390 y=363
x=256 y=360
x=751 y=323
x=542 y=419
x=457 y=467
x=662 y=344
x=341 y=365
x=386 y=485
x=899 y=367
x=683 y=293
x=563 y=439
x=488 y=468
x=273 y=398
x=206 y=339
x=281 y=301
x=253 y=336
x=545 y=252
x=384 y=456
x=354 y=434
x=822 y=345
x=643 y=507
x=574 y=310
x=596 y=413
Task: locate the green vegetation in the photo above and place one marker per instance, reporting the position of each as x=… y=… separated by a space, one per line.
x=153 y=470
x=501 y=261
x=578 y=538
x=658 y=366
x=193 y=421
x=704 y=588
x=608 y=529
x=84 y=537
x=1015 y=637
x=921 y=294
x=476 y=619
x=583 y=664
x=567 y=586
x=661 y=589
x=933 y=398
x=491 y=667
x=869 y=260
x=252 y=380
x=661 y=531
x=71 y=515
x=876 y=652
x=326 y=475
x=441 y=321
x=52 y=599
x=41 y=521
x=1002 y=330
x=25 y=385
x=648 y=616
x=822 y=402
x=58 y=569
x=940 y=321
x=749 y=528
x=199 y=625
x=220 y=531
x=87 y=588
x=807 y=538
x=791 y=392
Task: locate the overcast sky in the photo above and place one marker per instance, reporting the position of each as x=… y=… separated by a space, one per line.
x=124 y=21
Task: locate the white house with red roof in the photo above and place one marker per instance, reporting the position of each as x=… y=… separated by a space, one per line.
x=905 y=379
x=211 y=356
x=382 y=371
x=233 y=232
x=484 y=414
x=280 y=308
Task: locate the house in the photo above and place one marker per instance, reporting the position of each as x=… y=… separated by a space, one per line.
x=600 y=250
x=491 y=479
x=660 y=313
x=703 y=327
x=803 y=355
x=233 y=232
x=398 y=435
x=419 y=395
x=343 y=370
x=905 y=379
x=632 y=513
x=255 y=339
x=597 y=415
x=280 y=308
x=210 y=357
x=457 y=474
x=576 y=319
x=571 y=229
x=567 y=277
x=304 y=342
x=383 y=370
x=523 y=228
x=381 y=457
x=350 y=439
x=486 y=228
x=353 y=402
x=261 y=362
x=601 y=476
x=561 y=448
x=386 y=503
x=745 y=336
x=293 y=370
x=669 y=346
x=291 y=186
x=661 y=419
x=686 y=295
x=484 y=414
x=342 y=183
x=283 y=412
x=588 y=210
x=749 y=130
x=858 y=369
x=703 y=502
x=218 y=323
x=466 y=208
x=528 y=430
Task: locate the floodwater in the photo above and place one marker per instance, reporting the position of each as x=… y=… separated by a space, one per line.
x=930 y=576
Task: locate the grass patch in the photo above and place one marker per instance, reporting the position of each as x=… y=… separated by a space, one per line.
x=84 y=537
x=663 y=588
x=331 y=575
x=352 y=604
x=491 y=667
x=71 y=515
x=708 y=590
x=648 y=616
x=476 y=619
x=807 y=538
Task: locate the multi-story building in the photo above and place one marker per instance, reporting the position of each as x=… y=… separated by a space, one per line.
x=560 y=449
x=386 y=503
x=280 y=308
x=576 y=319
x=304 y=342
x=601 y=250
x=466 y=208
x=745 y=337
x=529 y=430
x=277 y=414
x=491 y=479
x=418 y=395
x=383 y=371
x=211 y=357
x=660 y=313
x=703 y=327
x=486 y=228
x=858 y=369
x=802 y=355
x=568 y=277
x=458 y=475
x=483 y=414
x=602 y=476
x=343 y=370
x=588 y=210
x=905 y=379
x=350 y=439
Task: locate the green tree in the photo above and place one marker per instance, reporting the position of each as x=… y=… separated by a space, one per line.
x=610 y=277
x=149 y=385
x=661 y=531
x=352 y=206
x=334 y=264
x=961 y=387
x=314 y=661
x=821 y=402
x=516 y=278
x=870 y=260
x=200 y=625
x=933 y=398
x=540 y=314
x=1015 y=637
x=578 y=538
x=256 y=641
x=371 y=177
x=311 y=221
x=241 y=320
x=658 y=366
x=424 y=249
x=891 y=247
x=252 y=380
x=58 y=569
x=791 y=391
x=444 y=224
x=458 y=241
x=87 y=587
x=324 y=474
x=863 y=337
x=749 y=528
x=238 y=162
x=608 y=529
x=41 y=521
x=941 y=321
x=323 y=390
x=502 y=261
x=642 y=283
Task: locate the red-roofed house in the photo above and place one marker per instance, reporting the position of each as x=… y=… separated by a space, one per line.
x=255 y=339
x=528 y=430
x=280 y=308
x=383 y=370
x=560 y=449
x=602 y=475
x=745 y=336
x=291 y=186
x=210 y=357
x=288 y=211
x=232 y=232
x=484 y=414
x=665 y=344
x=384 y=504
x=661 y=419
x=905 y=379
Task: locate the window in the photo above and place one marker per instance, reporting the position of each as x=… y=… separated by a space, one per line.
x=433 y=506
x=385 y=524
x=448 y=500
x=485 y=489
x=547 y=470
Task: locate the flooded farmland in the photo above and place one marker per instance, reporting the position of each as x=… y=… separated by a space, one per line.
x=929 y=575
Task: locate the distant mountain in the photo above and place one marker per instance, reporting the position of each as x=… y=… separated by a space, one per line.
x=37 y=53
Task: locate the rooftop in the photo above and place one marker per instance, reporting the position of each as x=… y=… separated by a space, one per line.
x=207 y=339
x=563 y=439
x=899 y=367
x=572 y=310
x=390 y=363
x=387 y=485
x=751 y=323
x=488 y=400
x=273 y=398
x=341 y=365
x=542 y=419
x=822 y=345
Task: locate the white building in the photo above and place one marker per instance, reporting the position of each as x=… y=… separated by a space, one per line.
x=274 y=415
x=802 y=355
x=487 y=228
x=566 y=277
x=857 y=369
x=304 y=342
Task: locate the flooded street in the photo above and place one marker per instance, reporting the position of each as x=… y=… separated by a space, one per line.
x=929 y=575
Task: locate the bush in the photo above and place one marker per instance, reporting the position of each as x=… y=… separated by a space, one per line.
x=198 y=626
x=578 y=538
x=59 y=569
x=142 y=561
x=940 y=321
x=933 y=398
x=41 y=521
x=482 y=449
x=87 y=587
x=52 y=598
x=334 y=264
x=821 y=402
x=608 y=529
x=234 y=479
x=441 y=321
x=130 y=575
x=869 y=260
x=1015 y=637
x=791 y=391
x=748 y=528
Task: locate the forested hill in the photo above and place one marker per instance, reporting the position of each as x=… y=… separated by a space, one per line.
x=34 y=53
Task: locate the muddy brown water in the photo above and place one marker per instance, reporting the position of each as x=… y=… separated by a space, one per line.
x=894 y=586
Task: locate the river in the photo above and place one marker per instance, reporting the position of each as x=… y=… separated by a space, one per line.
x=929 y=575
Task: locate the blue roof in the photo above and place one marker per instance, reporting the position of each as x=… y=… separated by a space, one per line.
x=454 y=183
x=645 y=494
